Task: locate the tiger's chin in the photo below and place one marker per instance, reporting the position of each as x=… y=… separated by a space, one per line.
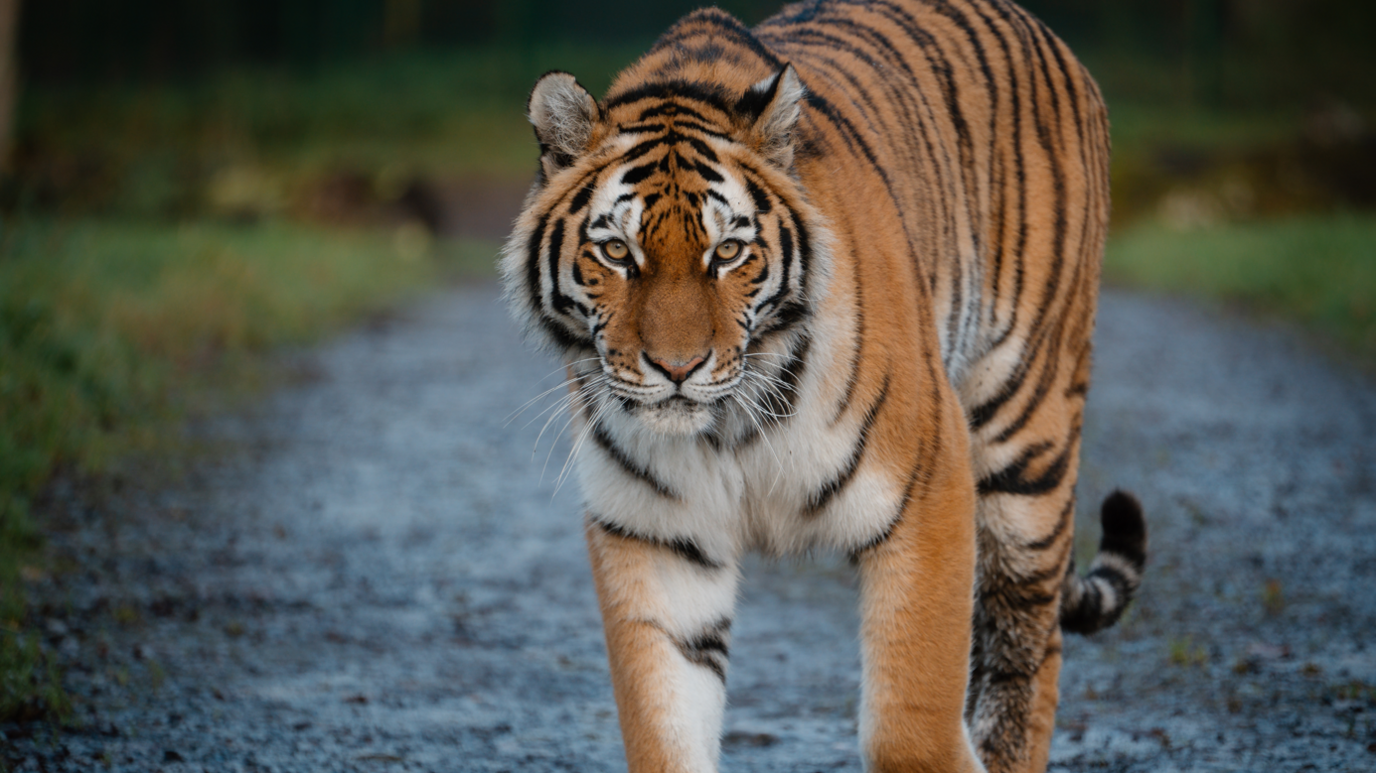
x=677 y=416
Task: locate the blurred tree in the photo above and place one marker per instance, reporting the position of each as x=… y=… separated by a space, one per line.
x=401 y=24
x=9 y=78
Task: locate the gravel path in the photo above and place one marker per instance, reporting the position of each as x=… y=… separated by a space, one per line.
x=369 y=573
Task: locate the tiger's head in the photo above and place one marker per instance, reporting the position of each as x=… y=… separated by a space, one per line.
x=667 y=250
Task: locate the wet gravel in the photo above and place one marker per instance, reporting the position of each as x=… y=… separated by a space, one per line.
x=370 y=573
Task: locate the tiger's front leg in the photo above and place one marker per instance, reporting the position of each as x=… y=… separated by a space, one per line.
x=666 y=611
x=917 y=603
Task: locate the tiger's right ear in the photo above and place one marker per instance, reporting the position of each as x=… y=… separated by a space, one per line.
x=563 y=114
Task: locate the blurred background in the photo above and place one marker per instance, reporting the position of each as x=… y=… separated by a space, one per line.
x=185 y=186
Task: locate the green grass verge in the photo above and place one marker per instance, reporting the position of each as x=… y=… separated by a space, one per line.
x=107 y=326
x=1320 y=269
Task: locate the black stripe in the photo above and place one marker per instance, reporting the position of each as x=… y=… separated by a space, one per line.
x=641 y=149
x=1015 y=598
x=638 y=173
x=683 y=547
x=581 y=199
x=1050 y=367
x=706 y=93
x=677 y=113
x=671 y=108
x=876 y=540
x=557 y=332
x=709 y=648
x=824 y=495
x=1023 y=592
x=701 y=147
x=679 y=123
x=726 y=26
x=761 y=200
x=938 y=64
x=1011 y=480
x=804 y=254
x=1067 y=515
x=603 y=440
x=561 y=303
x=853 y=376
x=1013 y=71
x=789 y=315
x=791 y=374
x=854 y=139
x=786 y=258
x=1029 y=357
x=533 y=263
x=1044 y=138
x=708 y=173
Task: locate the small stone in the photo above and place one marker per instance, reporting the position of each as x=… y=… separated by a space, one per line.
x=169 y=755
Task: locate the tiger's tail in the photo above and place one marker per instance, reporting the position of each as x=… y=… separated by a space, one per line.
x=1094 y=601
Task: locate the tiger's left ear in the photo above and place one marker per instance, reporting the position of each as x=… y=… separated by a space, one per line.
x=772 y=107
x=563 y=114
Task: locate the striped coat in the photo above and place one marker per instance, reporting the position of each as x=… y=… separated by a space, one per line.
x=830 y=283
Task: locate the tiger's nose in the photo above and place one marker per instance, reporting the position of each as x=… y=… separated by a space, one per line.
x=678 y=371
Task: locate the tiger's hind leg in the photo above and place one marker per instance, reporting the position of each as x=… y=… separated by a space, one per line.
x=1027 y=595
x=1024 y=550
x=1025 y=442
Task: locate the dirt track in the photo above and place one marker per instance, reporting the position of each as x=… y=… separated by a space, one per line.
x=369 y=573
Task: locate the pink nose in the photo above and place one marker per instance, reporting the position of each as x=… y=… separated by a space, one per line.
x=677 y=371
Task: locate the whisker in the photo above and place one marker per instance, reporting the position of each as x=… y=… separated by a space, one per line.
x=573 y=452
x=527 y=406
x=759 y=382
x=556 y=387
x=582 y=393
x=554 y=412
x=778 y=463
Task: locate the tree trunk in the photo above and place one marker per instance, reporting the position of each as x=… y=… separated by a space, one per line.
x=9 y=78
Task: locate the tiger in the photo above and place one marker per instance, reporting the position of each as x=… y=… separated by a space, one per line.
x=829 y=284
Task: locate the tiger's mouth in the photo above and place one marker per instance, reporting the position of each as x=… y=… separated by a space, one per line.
x=675 y=415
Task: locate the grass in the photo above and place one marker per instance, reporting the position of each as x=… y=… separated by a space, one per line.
x=107 y=326
x=1317 y=269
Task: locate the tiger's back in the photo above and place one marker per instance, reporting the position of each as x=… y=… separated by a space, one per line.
x=945 y=202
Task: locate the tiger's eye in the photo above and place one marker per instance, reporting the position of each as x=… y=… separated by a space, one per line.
x=616 y=249
x=728 y=250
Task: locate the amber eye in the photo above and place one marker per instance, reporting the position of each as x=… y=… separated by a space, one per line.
x=616 y=251
x=727 y=251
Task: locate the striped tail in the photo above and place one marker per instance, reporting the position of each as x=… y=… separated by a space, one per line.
x=1096 y=600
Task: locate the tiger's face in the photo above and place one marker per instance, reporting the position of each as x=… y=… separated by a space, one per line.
x=667 y=251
